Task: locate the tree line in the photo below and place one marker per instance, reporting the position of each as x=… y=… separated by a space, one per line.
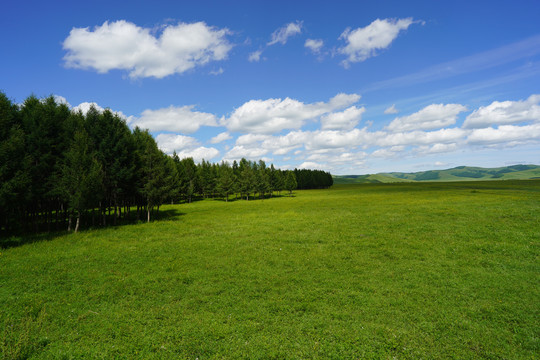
x=61 y=169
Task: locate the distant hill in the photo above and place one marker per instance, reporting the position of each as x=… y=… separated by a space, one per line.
x=460 y=173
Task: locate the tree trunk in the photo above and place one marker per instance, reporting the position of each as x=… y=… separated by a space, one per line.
x=69 y=221
x=78 y=221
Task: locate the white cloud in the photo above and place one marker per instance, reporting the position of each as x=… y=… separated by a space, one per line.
x=61 y=100
x=174 y=119
x=391 y=152
x=282 y=34
x=416 y=138
x=123 y=45
x=85 y=106
x=239 y=152
x=249 y=139
x=315 y=45
x=220 y=138
x=332 y=139
x=273 y=115
x=311 y=165
x=391 y=110
x=255 y=56
x=505 y=134
x=336 y=156
x=185 y=146
x=174 y=142
x=504 y=113
x=363 y=43
x=281 y=145
x=437 y=148
x=341 y=101
x=198 y=154
x=345 y=120
x=431 y=117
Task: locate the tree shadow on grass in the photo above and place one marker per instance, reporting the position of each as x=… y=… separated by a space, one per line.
x=18 y=239
x=10 y=241
x=168 y=215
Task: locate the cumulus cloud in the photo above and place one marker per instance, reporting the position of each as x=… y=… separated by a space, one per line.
x=311 y=165
x=273 y=115
x=504 y=113
x=431 y=117
x=363 y=43
x=185 y=146
x=255 y=56
x=505 y=134
x=85 y=106
x=220 y=138
x=61 y=100
x=437 y=149
x=174 y=142
x=174 y=119
x=315 y=45
x=332 y=139
x=391 y=110
x=239 y=152
x=123 y=45
x=345 y=120
x=198 y=154
x=282 y=34
x=416 y=138
x=390 y=152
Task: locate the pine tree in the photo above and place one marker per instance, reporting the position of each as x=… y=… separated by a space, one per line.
x=80 y=177
x=152 y=171
x=226 y=180
x=290 y=182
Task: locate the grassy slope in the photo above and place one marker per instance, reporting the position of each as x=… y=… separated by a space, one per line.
x=370 y=179
x=420 y=270
x=461 y=173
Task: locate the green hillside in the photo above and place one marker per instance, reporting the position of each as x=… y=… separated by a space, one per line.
x=460 y=173
x=367 y=179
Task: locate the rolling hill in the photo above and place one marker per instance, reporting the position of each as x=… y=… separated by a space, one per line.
x=460 y=173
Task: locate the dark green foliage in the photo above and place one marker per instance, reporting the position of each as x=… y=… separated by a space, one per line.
x=290 y=182
x=80 y=177
x=152 y=176
x=226 y=180
x=57 y=165
x=313 y=179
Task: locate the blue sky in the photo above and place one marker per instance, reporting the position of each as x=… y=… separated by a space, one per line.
x=351 y=87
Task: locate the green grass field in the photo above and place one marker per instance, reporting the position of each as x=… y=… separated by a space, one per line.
x=382 y=271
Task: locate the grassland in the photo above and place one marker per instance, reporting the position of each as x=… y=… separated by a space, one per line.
x=382 y=271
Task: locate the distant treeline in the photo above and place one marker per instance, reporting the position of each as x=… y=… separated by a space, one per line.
x=63 y=169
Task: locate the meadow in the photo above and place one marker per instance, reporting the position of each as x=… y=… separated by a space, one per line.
x=370 y=271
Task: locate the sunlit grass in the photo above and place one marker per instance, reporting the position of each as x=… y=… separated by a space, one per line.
x=369 y=271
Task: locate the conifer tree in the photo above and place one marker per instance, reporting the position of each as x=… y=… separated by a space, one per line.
x=290 y=182
x=80 y=177
x=226 y=180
